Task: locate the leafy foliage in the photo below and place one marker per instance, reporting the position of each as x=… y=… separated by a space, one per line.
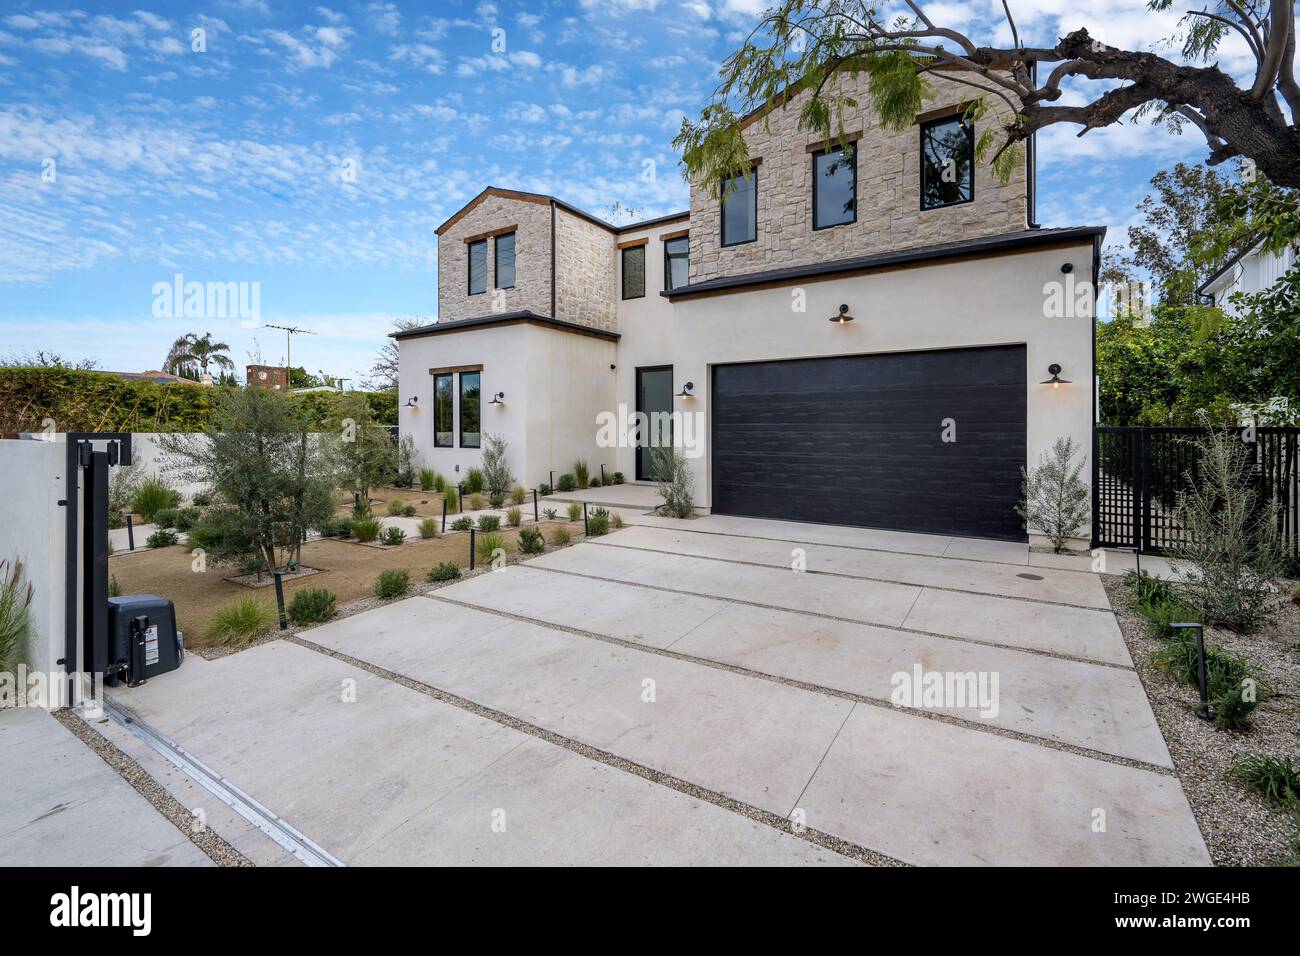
x=312 y=606
x=428 y=527
x=489 y=543
x=446 y=571
x=676 y=484
x=366 y=530
x=162 y=538
x=152 y=496
x=392 y=537
x=428 y=479
x=1054 y=499
x=598 y=522
x=489 y=523
x=238 y=623
x=566 y=483
x=392 y=582
x=581 y=474
x=531 y=541
x=361 y=450
x=463 y=523
x=496 y=472
x=15 y=615
x=474 y=481
x=561 y=535
x=1276 y=779
x=514 y=516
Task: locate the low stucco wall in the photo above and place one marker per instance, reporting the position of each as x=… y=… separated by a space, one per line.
x=969 y=303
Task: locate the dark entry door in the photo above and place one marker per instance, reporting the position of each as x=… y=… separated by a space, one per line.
x=654 y=398
x=858 y=440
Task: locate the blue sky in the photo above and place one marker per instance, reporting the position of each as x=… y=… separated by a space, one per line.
x=313 y=149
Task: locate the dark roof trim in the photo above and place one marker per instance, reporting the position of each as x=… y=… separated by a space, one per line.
x=661 y=221
x=505 y=318
x=1246 y=250
x=990 y=245
x=543 y=199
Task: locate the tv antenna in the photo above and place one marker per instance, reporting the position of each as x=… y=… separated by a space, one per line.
x=289 y=332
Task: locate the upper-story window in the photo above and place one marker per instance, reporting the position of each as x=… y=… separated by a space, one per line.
x=634 y=271
x=835 y=186
x=740 y=208
x=505 y=277
x=676 y=262
x=478 y=267
x=947 y=162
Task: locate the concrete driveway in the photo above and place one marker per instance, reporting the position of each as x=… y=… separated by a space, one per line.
x=675 y=693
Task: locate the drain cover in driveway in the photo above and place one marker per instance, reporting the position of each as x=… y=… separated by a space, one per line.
x=1030 y=577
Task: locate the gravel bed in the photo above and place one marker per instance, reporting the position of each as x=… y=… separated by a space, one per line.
x=1239 y=828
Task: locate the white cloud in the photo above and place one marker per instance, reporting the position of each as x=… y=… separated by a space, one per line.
x=384 y=18
x=418 y=54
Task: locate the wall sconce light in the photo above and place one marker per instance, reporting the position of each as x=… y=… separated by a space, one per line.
x=413 y=402
x=497 y=399
x=687 y=391
x=1055 y=381
x=1067 y=268
x=842 y=316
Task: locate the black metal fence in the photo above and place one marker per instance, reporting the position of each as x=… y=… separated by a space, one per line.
x=1138 y=473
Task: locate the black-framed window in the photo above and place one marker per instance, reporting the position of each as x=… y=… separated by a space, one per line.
x=677 y=262
x=634 y=272
x=740 y=208
x=947 y=162
x=470 y=436
x=505 y=261
x=478 y=267
x=443 y=427
x=835 y=186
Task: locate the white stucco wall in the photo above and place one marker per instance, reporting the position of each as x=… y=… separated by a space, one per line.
x=987 y=301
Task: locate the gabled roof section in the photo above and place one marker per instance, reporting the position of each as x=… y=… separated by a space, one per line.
x=542 y=199
x=503 y=318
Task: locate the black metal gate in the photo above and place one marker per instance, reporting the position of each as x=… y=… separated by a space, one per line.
x=1138 y=473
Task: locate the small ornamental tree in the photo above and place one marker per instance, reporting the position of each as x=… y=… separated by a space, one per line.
x=1230 y=553
x=1054 y=500
x=676 y=484
x=496 y=473
x=363 y=452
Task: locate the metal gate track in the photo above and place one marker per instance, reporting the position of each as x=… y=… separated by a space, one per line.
x=301 y=847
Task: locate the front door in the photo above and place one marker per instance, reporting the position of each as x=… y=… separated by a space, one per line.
x=654 y=400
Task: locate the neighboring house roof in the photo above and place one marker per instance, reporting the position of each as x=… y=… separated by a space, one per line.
x=1226 y=268
x=966 y=248
x=162 y=378
x=545 y=200
x=504 y=318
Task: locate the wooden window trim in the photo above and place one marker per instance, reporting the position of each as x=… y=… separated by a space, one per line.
x=491 y=233
x=453 y=369
x=825 y=146
x=633 y=243
x=679 y=234
x=943 y=112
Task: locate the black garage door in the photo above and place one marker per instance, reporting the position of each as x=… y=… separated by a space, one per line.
x=858 y=440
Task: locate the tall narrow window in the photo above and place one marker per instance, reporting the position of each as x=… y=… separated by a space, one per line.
x=634 y=272
x=505 y=261
x=677 y=262
x=478 y=267
x=469 y=410
x=443 y=433
x=947 y=163
x=835 y=187
x=740 y=208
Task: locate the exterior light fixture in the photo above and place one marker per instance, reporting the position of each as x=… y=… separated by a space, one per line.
x=1055 y=381
x=1067 y=268
x=842 y=316
x=497 y=399
x=687 y=391
x=413 y=402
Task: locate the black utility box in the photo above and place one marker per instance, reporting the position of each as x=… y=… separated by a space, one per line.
x=142 y=639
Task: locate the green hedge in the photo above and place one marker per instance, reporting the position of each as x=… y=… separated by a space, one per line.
x=95 y=402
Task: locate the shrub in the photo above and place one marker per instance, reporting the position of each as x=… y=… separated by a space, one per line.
x=594 y=483
x=366 y=530
x=162 y=538
x=489 y=523
x=544 y=489
x=166 y=517
x=15 y=615
x=396 y=507
x=1160 y=616
x=361 y=508
x=488 y=544
x=447 y=571
x=549 y=514
x=1275 y=779
x=392 y=537
x=561 y=535
x=151 y=496
x=1054 y=500
x=392 y=583
x=616 y=520
x=408 y=511
x=238 y=623
x=312 y=606
x=1147 y=589
x=439 y=483
x=474 y=481
x=513 y=517
x=1226 y=676
x=518 y=495
x=598 y=522
x=333 y=528
x=496 y=473
x=1291 y=566
x=566 y=483
x=476 y=502
x=676 y=486
x=201 y=499
x=618 y=478
x=496 y=499
x=531 y=541
x=428 y=479
x=575 y=511
x=450 y=495
x=429 y=528
x=1230 y=553
x=581 y=474
x=187 y=518
x=114 y=590
x=1232 y=708
x=463 y=523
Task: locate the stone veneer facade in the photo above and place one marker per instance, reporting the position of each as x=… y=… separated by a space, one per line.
x=586 y=271
x=889 y=216
x=532 y=289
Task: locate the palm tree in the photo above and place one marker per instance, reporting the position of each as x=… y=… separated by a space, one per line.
x=198 y=348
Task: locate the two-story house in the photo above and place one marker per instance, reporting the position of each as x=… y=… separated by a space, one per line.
x=869 y=332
